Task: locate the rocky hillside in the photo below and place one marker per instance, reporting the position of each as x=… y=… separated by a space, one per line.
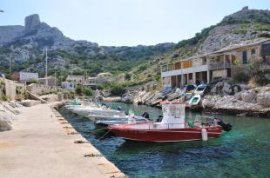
x=25 y=46
x=243 y=25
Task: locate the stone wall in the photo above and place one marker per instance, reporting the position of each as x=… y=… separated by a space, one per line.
x=12 y=89
x=38 y=89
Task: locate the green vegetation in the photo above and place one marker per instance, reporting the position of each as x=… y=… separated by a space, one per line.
x=195 y=40
x=87 y=91
x=117 y=90
x=249 y=27
x=80 y=90
x=253 y=73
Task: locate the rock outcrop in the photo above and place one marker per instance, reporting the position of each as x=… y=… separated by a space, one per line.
x=263 y=98
x=32 y=23
x=5 y=123
x=252 y=102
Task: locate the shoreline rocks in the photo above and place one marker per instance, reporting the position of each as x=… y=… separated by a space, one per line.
x=253 y=102
x=243 y=100
x=5 y=123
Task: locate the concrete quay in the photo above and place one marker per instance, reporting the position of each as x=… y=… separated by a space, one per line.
x=43 y=144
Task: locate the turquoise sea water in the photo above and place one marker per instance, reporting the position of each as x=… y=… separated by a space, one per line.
x=242 y=152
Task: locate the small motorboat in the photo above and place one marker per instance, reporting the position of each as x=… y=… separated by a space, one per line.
x=172 y=128
x=188 y=91
x=106 y=113
x=202 y=89
x=195 y=100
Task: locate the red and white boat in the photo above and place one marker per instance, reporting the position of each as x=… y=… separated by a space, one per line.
x=172 y=128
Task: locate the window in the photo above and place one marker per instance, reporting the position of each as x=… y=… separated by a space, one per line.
x=244 y=57
x=190 y=76
x=229 y=73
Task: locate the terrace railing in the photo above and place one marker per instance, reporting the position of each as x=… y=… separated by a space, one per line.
x=217 y=66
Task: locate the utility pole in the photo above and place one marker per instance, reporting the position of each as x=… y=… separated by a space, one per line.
x=10 y=65
x=55 y=82
x=46 y=69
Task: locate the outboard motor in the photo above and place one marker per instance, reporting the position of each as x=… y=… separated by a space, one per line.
x=145 y=115
x=227 y=127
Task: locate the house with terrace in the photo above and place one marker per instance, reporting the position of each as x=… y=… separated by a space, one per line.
x=224 y=63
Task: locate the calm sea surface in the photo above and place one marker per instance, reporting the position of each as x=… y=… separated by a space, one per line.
x=242 y=152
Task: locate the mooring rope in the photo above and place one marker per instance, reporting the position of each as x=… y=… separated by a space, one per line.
x=100 y=138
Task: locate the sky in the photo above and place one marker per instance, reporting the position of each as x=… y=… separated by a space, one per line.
x=126 y=22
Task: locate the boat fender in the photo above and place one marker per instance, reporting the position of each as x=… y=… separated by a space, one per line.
x=204 y=134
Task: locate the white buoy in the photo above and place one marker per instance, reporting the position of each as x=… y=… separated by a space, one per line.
x=204 y=135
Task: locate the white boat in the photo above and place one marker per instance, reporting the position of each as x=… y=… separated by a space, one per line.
x=195 y=100
x=85 y=110
x=106 y=113
x=121 y=120
x=202 y=89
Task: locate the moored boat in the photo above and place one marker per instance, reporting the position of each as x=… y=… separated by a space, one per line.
x=172 y=128
x=195 y=100
x=120 y=120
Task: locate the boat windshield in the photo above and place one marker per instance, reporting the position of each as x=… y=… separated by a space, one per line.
x=200 y=88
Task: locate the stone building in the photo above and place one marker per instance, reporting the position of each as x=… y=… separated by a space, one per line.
x=223 y=63
x=76 y=79
x=25 y=76
x=52 y=81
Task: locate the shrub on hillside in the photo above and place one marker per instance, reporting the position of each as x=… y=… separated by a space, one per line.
x=78 y=90
x=117 y=90
x=87 y=91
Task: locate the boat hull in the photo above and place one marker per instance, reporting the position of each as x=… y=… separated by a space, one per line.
x=164 y=135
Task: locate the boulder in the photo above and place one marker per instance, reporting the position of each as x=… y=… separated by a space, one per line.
x=226 y=88
x=207 y=103
x=248 y=96
x=5 y=123
x=244 y=87
x=238 y=96
x=214 y=90
x=219 y=87
x=128 y=98
x=263 y=99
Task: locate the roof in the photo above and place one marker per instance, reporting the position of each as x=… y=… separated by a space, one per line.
x=104 y=73
x=72 y=77
x=49 y=77
x=246 y=43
